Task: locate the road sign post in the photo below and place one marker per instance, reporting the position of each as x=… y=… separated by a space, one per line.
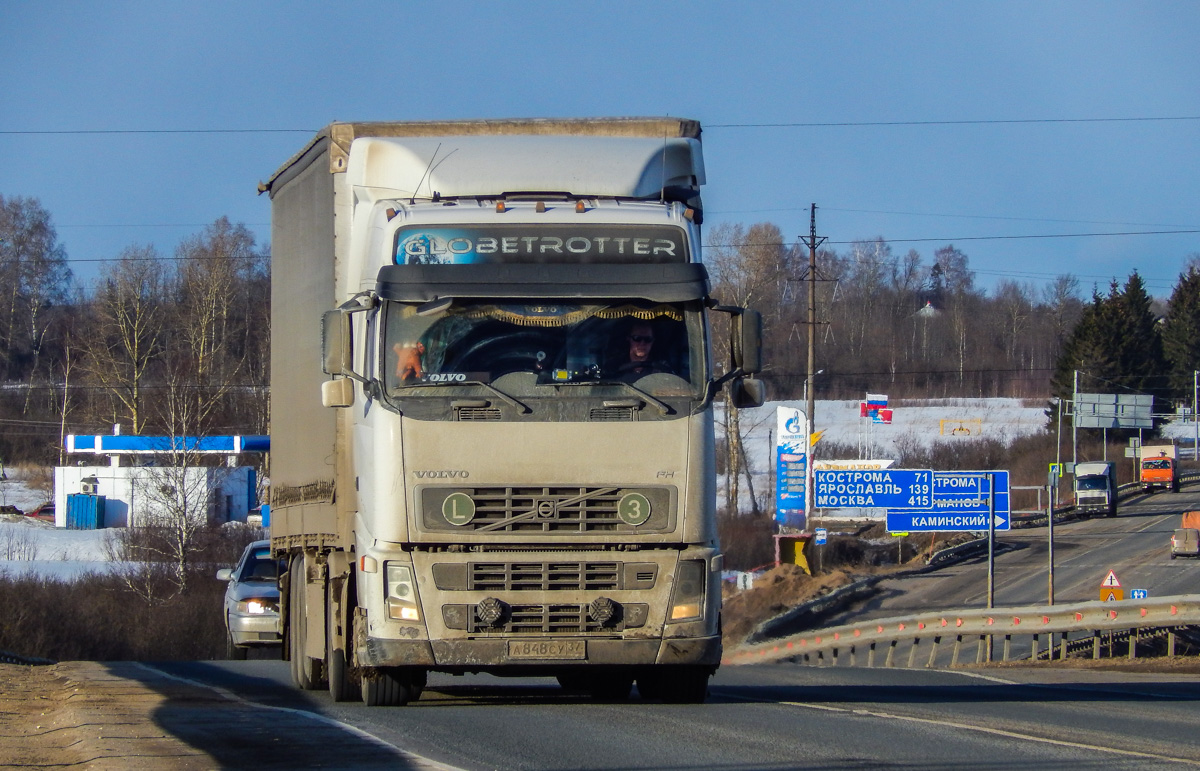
x=960 y=504
x=873 y=488
x=1110 y=588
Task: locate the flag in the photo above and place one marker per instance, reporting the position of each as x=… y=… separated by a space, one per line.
x=871 y=407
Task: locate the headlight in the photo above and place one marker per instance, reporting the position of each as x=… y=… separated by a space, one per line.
x=256 y=607
x=402 y=593
x=687 y=601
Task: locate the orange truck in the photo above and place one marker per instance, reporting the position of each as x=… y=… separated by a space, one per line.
x=1158 y=468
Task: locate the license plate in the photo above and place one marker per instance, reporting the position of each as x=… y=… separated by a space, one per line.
x=547 y=649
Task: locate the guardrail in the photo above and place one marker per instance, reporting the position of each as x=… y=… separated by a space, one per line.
x=7 y=657
x=1132 y=621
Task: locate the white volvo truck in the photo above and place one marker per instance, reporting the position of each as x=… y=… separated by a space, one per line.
x=492 y=406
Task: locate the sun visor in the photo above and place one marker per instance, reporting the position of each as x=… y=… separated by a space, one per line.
x=657 y=283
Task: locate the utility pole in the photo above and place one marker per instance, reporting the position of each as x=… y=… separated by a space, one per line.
x=812 y=242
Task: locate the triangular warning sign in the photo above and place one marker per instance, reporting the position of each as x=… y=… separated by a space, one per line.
x=1110 y=581
x=1110 y=596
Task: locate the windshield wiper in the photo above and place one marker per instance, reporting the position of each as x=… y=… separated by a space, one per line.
x=524 y=408
x=663 y=407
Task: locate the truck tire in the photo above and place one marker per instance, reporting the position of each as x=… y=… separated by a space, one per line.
x=306 y=671
x=675 y=685
x=344 y=684
x=391 y=686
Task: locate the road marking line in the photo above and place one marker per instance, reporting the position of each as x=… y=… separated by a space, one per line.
x=969 y=727
x=417 y=760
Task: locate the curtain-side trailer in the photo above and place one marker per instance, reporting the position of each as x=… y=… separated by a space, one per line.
x=492 y=406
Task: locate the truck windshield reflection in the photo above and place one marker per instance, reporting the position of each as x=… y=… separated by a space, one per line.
x=559 y=343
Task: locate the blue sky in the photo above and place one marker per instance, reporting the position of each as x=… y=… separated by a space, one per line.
x=985 y=187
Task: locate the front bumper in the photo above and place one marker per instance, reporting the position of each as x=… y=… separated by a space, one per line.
x=482 y=654
x=257 y=629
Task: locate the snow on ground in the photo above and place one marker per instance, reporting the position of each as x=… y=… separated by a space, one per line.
x=914 y=424
x=30 y=546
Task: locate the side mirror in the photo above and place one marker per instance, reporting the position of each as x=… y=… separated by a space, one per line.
x=225 y=574
x=338 y=392
x=749 y=392
x=747 y=341
x=337 y=353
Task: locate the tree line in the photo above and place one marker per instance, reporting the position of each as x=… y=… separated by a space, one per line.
x=917 y=326
x=179 y=343
x=157 y=344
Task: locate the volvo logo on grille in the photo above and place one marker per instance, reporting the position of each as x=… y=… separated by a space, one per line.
x=442 y=474
x=546 y=508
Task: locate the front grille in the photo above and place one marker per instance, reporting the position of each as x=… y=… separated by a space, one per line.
x=545 y=576
x=553 y=619
x=544 y=619
x=478 y=413
x=547 y=510
x=613 y=414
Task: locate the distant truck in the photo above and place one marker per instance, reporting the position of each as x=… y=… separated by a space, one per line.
x=1096 y=488
x=1185 y=541
x=1158 y=468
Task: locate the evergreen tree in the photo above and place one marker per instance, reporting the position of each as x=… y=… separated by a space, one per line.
x=1139 y=343
x=1116 y=346
x=1089 y=347
x=1181 y=333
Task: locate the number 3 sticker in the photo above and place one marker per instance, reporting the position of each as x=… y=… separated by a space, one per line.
x=633 y=509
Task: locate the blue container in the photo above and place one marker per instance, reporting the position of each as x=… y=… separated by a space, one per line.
x=85 y=512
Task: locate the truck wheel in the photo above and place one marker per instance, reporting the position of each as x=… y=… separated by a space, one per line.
x=576 y=683
x=614 y=687
x=387 y=687
x=343 y=685
x=676 y=685
x=305 y=670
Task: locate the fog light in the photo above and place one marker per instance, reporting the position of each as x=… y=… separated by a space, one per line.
x=602 y=610
x=490 y=611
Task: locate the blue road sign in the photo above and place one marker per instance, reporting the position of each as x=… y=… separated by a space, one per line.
x=1138 y=594
x=820 y=535
x=872 y=488
x=960 y=503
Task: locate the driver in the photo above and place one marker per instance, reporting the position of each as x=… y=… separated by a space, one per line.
x=641 y=352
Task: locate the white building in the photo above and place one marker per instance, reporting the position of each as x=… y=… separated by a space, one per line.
x=144 y=487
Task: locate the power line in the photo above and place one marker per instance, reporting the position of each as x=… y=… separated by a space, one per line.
x=85 y=132
x=949 y=239
x=807 y=124
x=988 y=122
x=710 y=212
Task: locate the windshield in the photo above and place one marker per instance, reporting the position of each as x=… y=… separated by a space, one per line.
x=260 y=566
x=544 y=343
x=1092 y=483
x=1159 y=464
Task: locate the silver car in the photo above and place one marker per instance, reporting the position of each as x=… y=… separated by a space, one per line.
x=251 y=600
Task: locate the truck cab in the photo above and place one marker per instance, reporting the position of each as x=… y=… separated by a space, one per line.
x=1158 y=469
x=1096 y=489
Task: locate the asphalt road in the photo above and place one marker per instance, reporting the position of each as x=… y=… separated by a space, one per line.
x=789 y=716
x=1134 y=545
x=757 y=717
